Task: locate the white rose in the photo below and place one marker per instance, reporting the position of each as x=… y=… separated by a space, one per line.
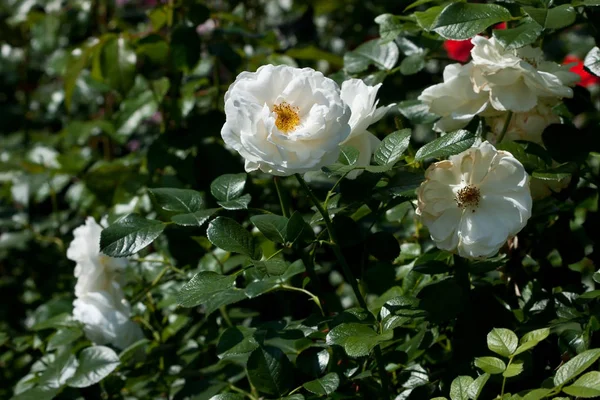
x=474 y=201
x=515 y=79
x=284 y=120
x=106 y=319
x=362 y=100
x=94 y=271
x=523 y=126
x=454 y=99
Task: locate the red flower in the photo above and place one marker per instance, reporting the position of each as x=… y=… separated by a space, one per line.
x=460 y=50
x=587 y=79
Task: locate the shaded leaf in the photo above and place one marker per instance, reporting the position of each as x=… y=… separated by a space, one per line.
x=95 y=363
x=270 y=371
x=129 y=235
x=447 y=145
x=323 y=386
x=228 y=235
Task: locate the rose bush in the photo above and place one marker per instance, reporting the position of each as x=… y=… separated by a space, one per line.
x=284 y=200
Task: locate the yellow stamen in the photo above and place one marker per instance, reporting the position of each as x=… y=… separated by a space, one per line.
x=287 y=117
x=468 y=197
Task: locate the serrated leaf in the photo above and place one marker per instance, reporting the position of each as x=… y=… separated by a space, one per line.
x=228 y=187
x=270 y=371
x=95 y=363
x=587 y=386
x=63 y=337
x=228 y=235
x=389 y=27
x=323 y=386
x=531 y=339
x=576 y=366
x=502 y=341
x=426 y=19
x=459 y=389
x=383 y=55
x=523 y=35
x=177 y=200
x=514 y=369
x=476 y=387
x=460 y=21
x=447 y=145
x=356 y=339
x=391 y=148
x=491 y=365
x=129 y=235
x=241 y=203
x=207 y=286
x=537 y=394
x=59 y=371
x=236 y=343
x=412 y=64
x=417 y=112
x=196 y=219
x=592 y=61
x=552 y=18
x=274 y=227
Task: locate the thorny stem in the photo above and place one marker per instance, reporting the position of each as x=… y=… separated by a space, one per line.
x=347 y=272
x=505 y=127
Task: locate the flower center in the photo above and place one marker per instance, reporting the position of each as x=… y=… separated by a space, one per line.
x=287 y=117
x=468 y=197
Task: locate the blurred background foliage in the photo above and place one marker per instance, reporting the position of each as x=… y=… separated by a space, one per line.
x=100 y=100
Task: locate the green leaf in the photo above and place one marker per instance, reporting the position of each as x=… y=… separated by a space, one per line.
x=228 y=235
x=357 y=339
x=38 y=393
x=272 y=267
x=427 y=18
x=391 y=148
x=313 y=361
x=129 y=235
x=491 y=365
x=373 y=52
x=531 y=155
x=412 y=64
x=587 y=386
x=476 y=387
x=459 y=21
x=95 y=364
x=502 y=341
x=576 y=366
x=523 y=35
x=274 y=227
x=118 y=64
x=389 y=27
x=228 y=396
x=58 y=373
x=236 y=343
x=298 y=228
x=514 y=369
x=257 y=288
x=228 y=187
x=553 y=18
x=63 y=337
x=186 y=47
x=323 y=386
x=270 y=371
x=197 y=218
x=537 y=394
x=206 y=286
x=177 y=200
x=592 y=61
x=348 y=155
x=417 y=112
x=459 y=389
x=241 y=203
x=531 y=339
x=447 y=145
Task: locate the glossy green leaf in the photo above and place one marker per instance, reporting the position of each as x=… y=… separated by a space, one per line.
x=491 y=365
x=502 y=341
x=459 y=21
x=389 y=27
x=427 y=18
x=447 y=145
x=323 y=386
x=241 y=203
x=417 y=112
x=95 y=363
x=592 y=61
x=412 y=64
x=118 y=64
x=576 y=366
x=553 y=18
x=177 y=200
x=228 y=235
x=531 y=339
x=523 y=35
x=514 y=369
x=476 y=387
x=197 y=218
x=459 y=389
x=587 y=386
x=357 y=339
x=392 y=147
x=374 y=52
x=270 y=371
x=228 y=187
x=129 y=235
x=274 y=227
x=205 y=286
x=537 y=394
x=236 y=343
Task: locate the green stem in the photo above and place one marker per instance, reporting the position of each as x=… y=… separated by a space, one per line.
x=504 y=379
x=152 y=285
x=284 y=210
x=312 y=296
x=505 y=127
x=348 y=273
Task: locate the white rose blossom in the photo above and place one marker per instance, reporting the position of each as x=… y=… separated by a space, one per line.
x=284 y=120
x=474 y=201
x=362 y=100
x=496 y=80
x=100 y=303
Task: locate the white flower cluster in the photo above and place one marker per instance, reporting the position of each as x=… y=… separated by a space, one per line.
x=284 y=120
x=100 y=304
x=497 y=81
